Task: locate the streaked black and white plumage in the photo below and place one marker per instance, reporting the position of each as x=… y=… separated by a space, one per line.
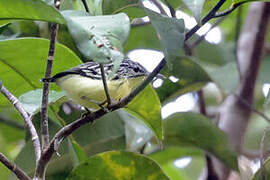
x=127 y=69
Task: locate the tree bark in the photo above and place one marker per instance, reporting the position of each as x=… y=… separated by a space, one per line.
x=234 y=113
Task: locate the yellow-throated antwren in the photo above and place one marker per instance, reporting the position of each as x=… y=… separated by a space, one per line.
x=83 y=84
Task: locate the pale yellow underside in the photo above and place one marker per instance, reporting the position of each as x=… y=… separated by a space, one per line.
x=88 y=92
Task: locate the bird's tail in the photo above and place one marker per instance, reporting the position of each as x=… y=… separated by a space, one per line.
x=48 y=80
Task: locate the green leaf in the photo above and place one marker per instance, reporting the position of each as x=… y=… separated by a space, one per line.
x=191 y=129
x=143 y=37
x=137 y=133
x=29 y=10
x=22 y=71
x=110 y=7
x=196 y=7
x=168 y=157
x=171 y=32
x=146 y=107
x=77 y=153
x=118 y=165
x=98 y=38
x=191 y=77
x=226 y=76
x=172 y=153
x=31 y=100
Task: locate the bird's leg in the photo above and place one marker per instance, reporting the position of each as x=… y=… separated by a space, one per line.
x=100 y=104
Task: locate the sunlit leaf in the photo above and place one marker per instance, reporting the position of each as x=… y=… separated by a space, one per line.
x=31 y=100
x=29 y=10
x=118 y=165
x=110 y=6
x=98 y=38
x=146 y=107
x=22 y=71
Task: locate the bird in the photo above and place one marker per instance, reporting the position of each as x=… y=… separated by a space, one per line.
x=83 y=84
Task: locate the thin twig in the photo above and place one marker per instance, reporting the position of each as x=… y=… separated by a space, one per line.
x=85 y=6
x=228 y=11
x=45 y=138
x=11 y=123
x=14 y=168
x=201 y=38
x=263 y=171
x=253 y=108
x=105 y=84
x=172 y=11
x=208 y=17
x=27 y=120
x=159 y=6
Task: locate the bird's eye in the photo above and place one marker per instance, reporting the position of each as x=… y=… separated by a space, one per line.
x=136 y=69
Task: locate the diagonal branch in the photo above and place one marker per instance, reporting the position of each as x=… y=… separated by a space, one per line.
x=15 y=169
x=27 y=120
x=207 y=18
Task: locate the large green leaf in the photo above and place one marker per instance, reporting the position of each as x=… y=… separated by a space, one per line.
x=171 y=32
x=23 y=63
x=118 y=165
x=29 y=10
x=31 y=100
x=110 y=6
x=191 y=77
x=191 y=129
x=98 y=38
x=196 y=8
x=146 y=107
x=137 y=133
x=143 y=37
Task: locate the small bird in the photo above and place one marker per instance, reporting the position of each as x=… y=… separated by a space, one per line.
x=83 y=84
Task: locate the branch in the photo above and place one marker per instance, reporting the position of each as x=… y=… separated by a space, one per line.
x=208 y=17
x=15 y=169
x=105 y=84
x=159 y=6
x=44 y=107
x=263 y=170
x=201 y=38
x=27 y=120
x=228 y=11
